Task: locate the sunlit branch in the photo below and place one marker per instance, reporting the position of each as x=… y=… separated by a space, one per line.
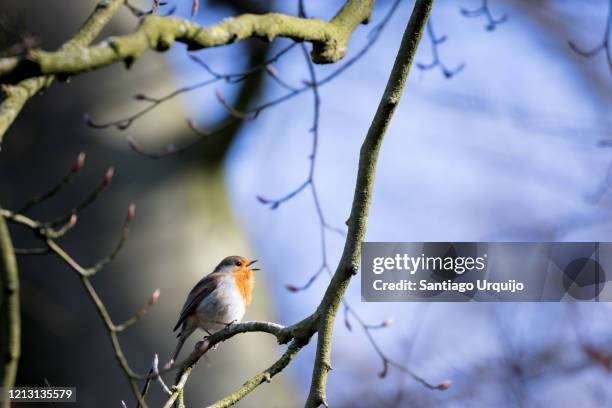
x=204 y=133
x=357 y=222
x=329 y=39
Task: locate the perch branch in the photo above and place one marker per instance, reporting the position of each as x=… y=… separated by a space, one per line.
x=299 y=334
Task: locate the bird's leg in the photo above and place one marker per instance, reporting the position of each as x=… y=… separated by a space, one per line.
x=226 y=324
x=230 y=323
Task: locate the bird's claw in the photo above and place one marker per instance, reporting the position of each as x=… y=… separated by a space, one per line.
x=230 y=323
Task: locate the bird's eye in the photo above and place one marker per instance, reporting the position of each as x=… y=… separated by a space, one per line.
x=238 y=263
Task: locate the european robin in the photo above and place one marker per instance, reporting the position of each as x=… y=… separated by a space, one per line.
x=217 y=300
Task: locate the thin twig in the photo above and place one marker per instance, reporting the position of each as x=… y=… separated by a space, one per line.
x=436 y=61
x=140 y=313
x=93 y=196
x=69 y=178
x=485 y=11
x=602 y=46
x=386 y=361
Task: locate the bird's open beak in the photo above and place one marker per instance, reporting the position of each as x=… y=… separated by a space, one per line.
x=251 y=263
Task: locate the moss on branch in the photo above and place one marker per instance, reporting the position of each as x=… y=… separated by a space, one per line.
x=16 y=96
x=264 y=376
x=283 y=335
x=25 y=77
x=330 y=40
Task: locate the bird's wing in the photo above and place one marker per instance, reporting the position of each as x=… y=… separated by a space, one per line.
x=202 y=289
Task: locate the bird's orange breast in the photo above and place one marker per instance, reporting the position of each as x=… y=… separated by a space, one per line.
x=244 y=282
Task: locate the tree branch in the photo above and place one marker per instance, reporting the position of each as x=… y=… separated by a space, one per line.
x=10 y=331
x=300 y=333
x=329 y=39
x=17 y=95
x=349 y=262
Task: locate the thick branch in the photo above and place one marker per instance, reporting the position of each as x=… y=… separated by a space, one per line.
x=16 y=96
x=349 y=263
x=10 y=331
x=329 y=39
x=264 y=376
x=232 y=330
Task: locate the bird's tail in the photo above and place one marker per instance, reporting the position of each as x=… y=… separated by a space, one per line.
x=182 y=336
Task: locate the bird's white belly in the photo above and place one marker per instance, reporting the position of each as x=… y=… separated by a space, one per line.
x=222 y=307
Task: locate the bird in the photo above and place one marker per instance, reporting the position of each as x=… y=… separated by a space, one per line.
x=218 y=300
